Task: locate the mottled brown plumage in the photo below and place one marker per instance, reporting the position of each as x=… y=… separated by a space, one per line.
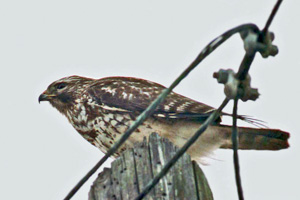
x=101 y=110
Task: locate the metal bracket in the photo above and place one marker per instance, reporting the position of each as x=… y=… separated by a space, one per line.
x=233 y=87
x=261 y=42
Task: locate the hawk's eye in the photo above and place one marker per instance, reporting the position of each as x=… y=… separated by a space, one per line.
x=60 y=86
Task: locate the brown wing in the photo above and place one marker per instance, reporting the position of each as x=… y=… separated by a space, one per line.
x=133 y=94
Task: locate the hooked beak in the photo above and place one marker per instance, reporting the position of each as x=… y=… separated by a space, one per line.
x=45 y=97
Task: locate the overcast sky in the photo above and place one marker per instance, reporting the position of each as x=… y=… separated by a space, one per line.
x=43 y=157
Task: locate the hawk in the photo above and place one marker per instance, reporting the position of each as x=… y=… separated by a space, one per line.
x=101 y=110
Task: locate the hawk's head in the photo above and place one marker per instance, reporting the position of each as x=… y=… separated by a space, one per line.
x=62 y=93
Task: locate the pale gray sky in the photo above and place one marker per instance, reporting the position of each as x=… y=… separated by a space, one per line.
x=43 y=157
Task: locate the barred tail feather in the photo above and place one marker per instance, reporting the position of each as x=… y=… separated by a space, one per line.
x=259 y=139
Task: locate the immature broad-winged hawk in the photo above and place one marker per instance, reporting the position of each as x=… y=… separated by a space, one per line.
x=101 y=111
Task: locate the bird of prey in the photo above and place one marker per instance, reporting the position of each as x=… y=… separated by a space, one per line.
x=101 y=110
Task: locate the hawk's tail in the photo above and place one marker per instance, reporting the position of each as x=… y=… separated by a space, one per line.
x=259 y=139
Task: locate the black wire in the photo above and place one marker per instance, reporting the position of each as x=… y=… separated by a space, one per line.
x=271 y=17
x=235 y=146
x=241 y=75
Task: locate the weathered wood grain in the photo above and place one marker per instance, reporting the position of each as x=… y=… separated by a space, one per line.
x=132 y=171
x=101 y=189
x=143 y=166
x=203 y=189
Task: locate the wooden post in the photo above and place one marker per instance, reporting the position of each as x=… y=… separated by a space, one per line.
x=131 y=172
